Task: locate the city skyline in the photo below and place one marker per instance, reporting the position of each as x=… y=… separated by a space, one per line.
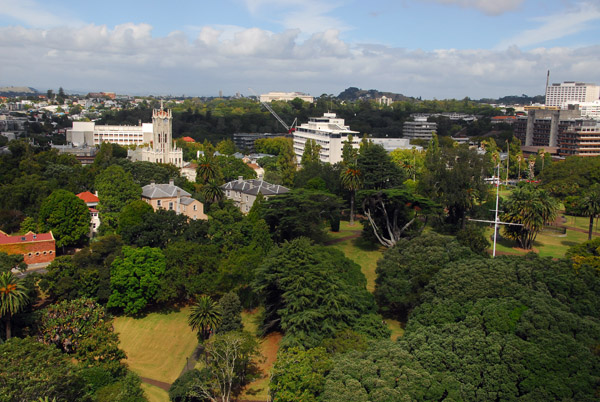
x=428 y=48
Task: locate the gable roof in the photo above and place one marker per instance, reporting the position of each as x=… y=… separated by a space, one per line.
x=253 y=187
x=29 y=237
x=163 y=191
x=86 y=196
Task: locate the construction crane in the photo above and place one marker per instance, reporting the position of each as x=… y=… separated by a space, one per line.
x=291 y=128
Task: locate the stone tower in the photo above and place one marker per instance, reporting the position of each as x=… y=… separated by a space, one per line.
x=162 y=122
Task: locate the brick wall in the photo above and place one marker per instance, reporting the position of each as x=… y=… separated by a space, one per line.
x=33 y=252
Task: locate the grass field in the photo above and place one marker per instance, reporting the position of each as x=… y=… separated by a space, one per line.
x=157 y=345
x=361 y=253
x=155 y=394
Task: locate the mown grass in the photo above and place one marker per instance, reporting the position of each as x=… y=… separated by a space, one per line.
x=158 y=344
x=155 y=394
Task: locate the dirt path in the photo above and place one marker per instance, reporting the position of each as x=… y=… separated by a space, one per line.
x=156 y=383
x=355 y=235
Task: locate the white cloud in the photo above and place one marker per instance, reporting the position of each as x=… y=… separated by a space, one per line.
x=490 y=7
x=128 y=59
x=310 y=16
x=556 y=26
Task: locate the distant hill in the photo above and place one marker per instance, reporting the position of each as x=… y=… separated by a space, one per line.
x=18 y=91
x=515 y=100
x=353 y=94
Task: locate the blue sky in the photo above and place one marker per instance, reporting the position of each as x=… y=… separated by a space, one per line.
x=429 y=48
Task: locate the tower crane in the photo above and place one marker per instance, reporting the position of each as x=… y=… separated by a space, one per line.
x=291 y=128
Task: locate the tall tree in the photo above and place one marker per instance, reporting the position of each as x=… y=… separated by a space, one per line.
x=67 y=216
x=13 y=298
x=590 y=206
x=311 y=152
x=116 y=189
x=205 y=317
x=231 y=310
x=136 y=279
x=530 y=207
x=377 y=169
x=352 y=181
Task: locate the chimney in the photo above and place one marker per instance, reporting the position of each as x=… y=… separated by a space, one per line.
x=240 y=179
x=152 y=183
x=171 y=182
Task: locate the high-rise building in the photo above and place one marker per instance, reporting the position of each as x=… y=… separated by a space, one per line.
x=419 y=129
x=329 y=132
x=557 y=94
x=285 y=96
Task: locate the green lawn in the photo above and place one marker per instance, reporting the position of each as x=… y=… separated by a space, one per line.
x=155 y=394
x=345 y=230
x=361 y=253
x=157 y=345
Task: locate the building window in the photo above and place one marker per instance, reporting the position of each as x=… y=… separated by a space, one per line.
x=195 y=209
x=170 y=206
x=158 y=204
x=50 y=252
x=37 y=253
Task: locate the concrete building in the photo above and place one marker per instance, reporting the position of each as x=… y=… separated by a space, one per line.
x=329 y=132
x=244 y=192
x=589 y=110
x=245 y=141
x=559 y=93
x=420 y=129
x=285 y=96
x=544 y=127
x=37 y=248
x=85 y=133
x=582 y=139
x=84 y=154
x=391 y=144
x=173 y=198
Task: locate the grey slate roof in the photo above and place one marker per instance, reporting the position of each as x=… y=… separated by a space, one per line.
x=163 y=191
x=253 y=186
x=186 y=200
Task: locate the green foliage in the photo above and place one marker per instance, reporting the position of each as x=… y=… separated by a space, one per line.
x=10 y=220
x=116 y=189
x=312 y=292
x=530 y=207
x=136 y=279
x=231 y=310
x=133 y=214
x=13 y=298
x=231 y=168
x=155 y=229
x=323 y=172
x=10 y=261
x=272 y=146
x=29 y=225
x=454 y=177
x=206 y=316
x=311 y=152
x=127 y=389
x=473 y=236
x=82 y=328
x=230 y=365
x=509 y=328
x=384 y=372
x=30 y=369
x=377 y=169
x=226 y=147
x=67 y=216
x=299 y=213
x=407 y=268
x=411 y=160
x=590 y=205
x=299 y=375
x=394 y=213
x=86 y=274
x=571 y=176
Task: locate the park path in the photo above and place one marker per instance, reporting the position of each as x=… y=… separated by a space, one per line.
x=355 y=235
x=156 y=383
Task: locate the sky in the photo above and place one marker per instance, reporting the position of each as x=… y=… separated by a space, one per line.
x=434 y=49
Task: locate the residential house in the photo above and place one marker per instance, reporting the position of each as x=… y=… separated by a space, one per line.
x=91 y=200
x=173 y=198
x=244 y=192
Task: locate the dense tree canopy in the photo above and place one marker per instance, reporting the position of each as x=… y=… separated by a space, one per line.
x=116 y=189
x=67 y=216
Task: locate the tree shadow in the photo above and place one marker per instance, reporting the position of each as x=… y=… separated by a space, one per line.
x=365 y=244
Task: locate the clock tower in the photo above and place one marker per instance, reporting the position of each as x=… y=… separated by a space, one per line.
x=162 y=122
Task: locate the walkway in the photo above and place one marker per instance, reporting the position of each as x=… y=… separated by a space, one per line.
x=343 y=239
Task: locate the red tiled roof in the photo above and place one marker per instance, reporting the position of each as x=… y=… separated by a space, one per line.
x=503 y=118
x=26 y=238
x=188 y=139
x=86 y=196
x=93 y=210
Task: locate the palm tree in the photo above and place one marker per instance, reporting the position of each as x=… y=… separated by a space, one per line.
x=207 y=169
x=212 y=192
x=205 y=316
x=352 y=181
x=590 y=206
x=13 y=298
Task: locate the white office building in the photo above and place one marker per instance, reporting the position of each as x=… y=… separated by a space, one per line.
x=420 y=129
x=285 y=96
x=571 y=91
x=329 y=132
x=589 y=110
x=88 y=134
